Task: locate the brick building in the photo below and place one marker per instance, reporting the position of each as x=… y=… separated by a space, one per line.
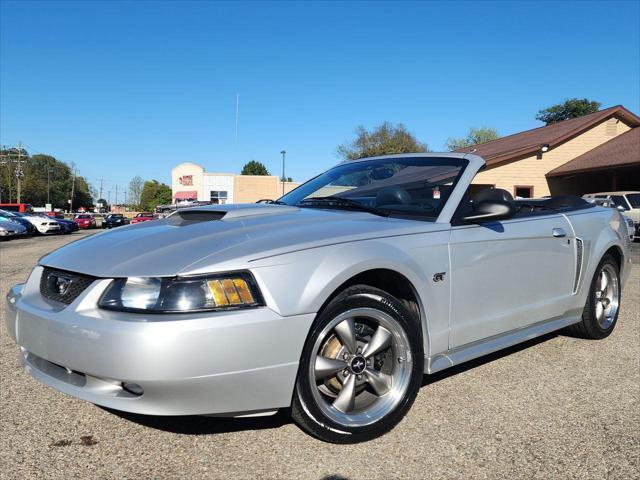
x=596 y=152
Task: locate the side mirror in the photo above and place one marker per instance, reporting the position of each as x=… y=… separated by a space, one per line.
x=620 y=208
x=491 y=209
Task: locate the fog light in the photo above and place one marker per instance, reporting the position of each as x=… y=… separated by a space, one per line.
x=132 y=388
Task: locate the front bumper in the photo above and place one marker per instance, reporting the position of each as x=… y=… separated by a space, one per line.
x=206 y=363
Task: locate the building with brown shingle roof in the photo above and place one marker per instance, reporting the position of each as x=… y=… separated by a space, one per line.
x=596 y=152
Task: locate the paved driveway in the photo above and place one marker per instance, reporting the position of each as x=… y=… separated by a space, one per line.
x=556 y=407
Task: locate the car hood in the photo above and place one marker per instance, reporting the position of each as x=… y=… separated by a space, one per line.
x=236 y=235
x=11 y=225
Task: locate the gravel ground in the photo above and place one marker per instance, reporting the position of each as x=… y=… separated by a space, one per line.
x=556 y=407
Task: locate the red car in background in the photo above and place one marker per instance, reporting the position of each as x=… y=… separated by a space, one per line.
x=142 y=217
x=84 y=220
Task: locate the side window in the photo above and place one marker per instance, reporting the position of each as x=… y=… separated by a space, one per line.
x=523 y=191
x=619 y=201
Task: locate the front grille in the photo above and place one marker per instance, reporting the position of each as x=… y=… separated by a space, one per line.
x=62 y=286
x=579 y=248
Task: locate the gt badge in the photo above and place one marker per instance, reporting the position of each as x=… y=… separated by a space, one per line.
x=438 y=277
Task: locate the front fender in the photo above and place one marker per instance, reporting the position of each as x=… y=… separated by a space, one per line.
x=301 y=282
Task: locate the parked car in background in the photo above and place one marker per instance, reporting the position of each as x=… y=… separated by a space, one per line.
x=66 y=226
x=17 y=207
x=9 y=228
x=43 y=225
x=84 y=220
x=18 y=217
x=143 y=217
x=334 y=300
x=609 y=203
x=627 y=202
x=115 y=220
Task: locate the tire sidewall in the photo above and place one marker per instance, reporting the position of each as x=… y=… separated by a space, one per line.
x=592 y=321
x=324 y=427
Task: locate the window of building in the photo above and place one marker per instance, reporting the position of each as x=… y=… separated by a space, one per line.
x=218 y=196
x=523 y=191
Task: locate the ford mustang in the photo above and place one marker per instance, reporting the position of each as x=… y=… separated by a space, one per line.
x=333 y=300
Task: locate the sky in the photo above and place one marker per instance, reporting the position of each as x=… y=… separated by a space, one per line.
x=134 y=88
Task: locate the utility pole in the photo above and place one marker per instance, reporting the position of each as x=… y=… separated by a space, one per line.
x=283 y=153
x=6 y=160
x=116 y=194
x=19 y=172
x=101 y=179
x=109 y=199
x=73 y=187
x=48 y=183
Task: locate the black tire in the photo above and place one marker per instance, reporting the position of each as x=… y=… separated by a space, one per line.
x=589 y=327
x=305 y=410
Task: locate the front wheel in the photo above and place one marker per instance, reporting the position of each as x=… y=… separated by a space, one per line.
x=361 y=367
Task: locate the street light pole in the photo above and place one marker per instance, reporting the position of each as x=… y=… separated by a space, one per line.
x=283 y=153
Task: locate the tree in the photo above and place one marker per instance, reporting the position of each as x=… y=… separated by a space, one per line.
x=148 y=194
x=163 y=196
x=254 y=168
x=135 y=190
x=102 y=204
x=571 y=108
x=385 y=139
x=153 y=194
x=44 y=178
x=474 y=137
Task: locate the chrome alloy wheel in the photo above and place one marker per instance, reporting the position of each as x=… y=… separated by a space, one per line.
x=607 y=296
x=361 y=367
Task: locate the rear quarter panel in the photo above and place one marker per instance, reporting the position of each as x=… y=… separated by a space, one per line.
x=600 y=229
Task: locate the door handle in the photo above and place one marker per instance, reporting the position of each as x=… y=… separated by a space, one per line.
x=559 y=232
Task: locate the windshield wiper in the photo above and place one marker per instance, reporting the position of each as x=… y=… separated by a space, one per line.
x=341 y=202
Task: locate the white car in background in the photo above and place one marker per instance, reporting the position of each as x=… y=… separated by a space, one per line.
x=632 y=227
x=626 y=202
x=43 y=225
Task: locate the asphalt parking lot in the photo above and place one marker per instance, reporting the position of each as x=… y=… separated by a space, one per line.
x=555 y=407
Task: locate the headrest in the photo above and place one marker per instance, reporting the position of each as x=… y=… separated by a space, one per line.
x=497 y=194
x=393 y=196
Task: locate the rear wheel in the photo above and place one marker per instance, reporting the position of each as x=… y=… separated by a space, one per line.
x=601 y=310
x=361 y=367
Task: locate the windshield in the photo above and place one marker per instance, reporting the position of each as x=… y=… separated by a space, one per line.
x=391 y=186
x=83 y=217
x=634 y=199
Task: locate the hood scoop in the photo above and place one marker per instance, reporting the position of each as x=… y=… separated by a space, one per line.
x=189 y=217
x=207 y=214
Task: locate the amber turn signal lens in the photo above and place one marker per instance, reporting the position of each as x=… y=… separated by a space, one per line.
x=230 y=292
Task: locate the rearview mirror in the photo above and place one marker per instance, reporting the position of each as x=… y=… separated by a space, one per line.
x=491 y=209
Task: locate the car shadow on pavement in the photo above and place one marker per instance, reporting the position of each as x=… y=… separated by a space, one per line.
x=478 y=362
x=204 y=425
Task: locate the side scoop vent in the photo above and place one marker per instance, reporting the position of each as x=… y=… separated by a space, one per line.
x=189 y=217
x=579 y=255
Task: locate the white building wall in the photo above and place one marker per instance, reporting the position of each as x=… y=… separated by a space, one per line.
x=219 y=182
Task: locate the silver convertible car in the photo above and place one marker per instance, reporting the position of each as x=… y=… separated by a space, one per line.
x=333 y=300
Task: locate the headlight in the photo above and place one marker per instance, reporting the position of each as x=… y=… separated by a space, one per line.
x=175 y=295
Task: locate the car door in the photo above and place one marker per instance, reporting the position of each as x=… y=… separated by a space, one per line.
x=509 y=274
